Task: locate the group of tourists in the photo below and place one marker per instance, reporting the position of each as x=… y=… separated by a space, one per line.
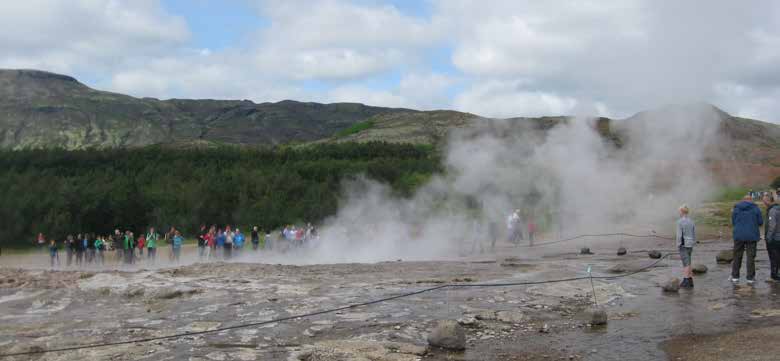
x=90 y=249
x=214 y=243
x=298 y=237
x=520 y=226
x=746 y=220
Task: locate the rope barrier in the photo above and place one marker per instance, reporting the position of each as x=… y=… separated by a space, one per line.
x=596 y=235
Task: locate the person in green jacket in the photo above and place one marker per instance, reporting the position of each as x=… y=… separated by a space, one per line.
x=100 y=246
x=151 y=244
x=129 y=247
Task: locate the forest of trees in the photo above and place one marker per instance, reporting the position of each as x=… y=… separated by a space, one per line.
x=60 y=192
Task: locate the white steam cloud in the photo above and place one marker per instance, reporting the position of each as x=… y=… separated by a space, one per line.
x=564 y=174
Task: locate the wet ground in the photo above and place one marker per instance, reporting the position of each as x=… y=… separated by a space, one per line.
x=42 y=309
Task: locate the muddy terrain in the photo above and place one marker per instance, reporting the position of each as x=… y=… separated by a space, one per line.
x=43 y=309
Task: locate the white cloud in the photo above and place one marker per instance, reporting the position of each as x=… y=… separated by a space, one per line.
x=631 y=55
x=342 y=63
x=86 y=35
x=338 y=39
x=361 y=94
x=329 y=23
x=505 y=99
x=427 y=91
x=511 y=58
x=417 y=91
x=200 y=75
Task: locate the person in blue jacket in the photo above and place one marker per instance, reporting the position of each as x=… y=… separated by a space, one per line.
x=747 y=220
x=221 y=238
x=176 y=244
x=238 y=242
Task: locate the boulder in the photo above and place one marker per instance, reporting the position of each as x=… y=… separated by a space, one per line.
x=654 y=254
x=673 y=285
x=594 y=316
x=724 y=257
x=486 y=315
x=699 y=268
x=448 y=334
x=134 y=292
x=171 y=293
x=585 y=250
x=619 y=268
x=468 y=321
x=622 y=251
x=510 y=316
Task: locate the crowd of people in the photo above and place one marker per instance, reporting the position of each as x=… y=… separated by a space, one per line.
x=520 y=226
x=224 y=243
x=213 y=243
x=746 y=220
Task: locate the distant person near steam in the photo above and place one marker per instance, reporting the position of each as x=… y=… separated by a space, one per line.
x=513 y=224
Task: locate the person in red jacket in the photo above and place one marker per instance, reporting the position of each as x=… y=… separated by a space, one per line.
x=211 y=241
x=531 y=231
x=141 y=243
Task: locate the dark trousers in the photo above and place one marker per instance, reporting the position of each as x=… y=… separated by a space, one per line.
x=774 y=258
x=749 y=248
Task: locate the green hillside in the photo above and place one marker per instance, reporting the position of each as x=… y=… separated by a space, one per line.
x=45 y=110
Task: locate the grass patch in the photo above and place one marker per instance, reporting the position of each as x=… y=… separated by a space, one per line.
x=716 y=214
x=730 y=194
x=355 y=128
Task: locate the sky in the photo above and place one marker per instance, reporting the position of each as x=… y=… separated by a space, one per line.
x=493 y=58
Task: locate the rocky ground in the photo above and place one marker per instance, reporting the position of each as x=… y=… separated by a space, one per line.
x=42 y=309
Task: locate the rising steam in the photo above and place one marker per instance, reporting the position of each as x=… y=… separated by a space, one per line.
x=570 y=176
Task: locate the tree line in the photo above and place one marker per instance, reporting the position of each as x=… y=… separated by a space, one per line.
x=58 y=192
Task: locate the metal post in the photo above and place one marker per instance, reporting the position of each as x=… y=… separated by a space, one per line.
x=595 y=302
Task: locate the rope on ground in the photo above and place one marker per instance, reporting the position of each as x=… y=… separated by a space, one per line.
x=327 y=311
x=597 y=235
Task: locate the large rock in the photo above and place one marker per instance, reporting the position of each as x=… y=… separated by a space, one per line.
x=619 y=268
x=510 y=316
x=171 y=293
x=594 y=316
x=724 y=257
x=585 y=250
x=699 y=269
x=448 y=334
x=654 y=254
x=673 y=285
x=487 y=315
x=622 y=251
x=134 y=292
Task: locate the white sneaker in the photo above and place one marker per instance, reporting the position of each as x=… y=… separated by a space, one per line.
x=734 y=280
x=750 y=282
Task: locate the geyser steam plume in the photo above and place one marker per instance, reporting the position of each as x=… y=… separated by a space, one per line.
x=571 y=175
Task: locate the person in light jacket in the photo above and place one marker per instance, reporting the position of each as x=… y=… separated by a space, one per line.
x=686 y=239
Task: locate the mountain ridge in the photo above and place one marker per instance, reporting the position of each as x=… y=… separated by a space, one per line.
x=40 y=109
